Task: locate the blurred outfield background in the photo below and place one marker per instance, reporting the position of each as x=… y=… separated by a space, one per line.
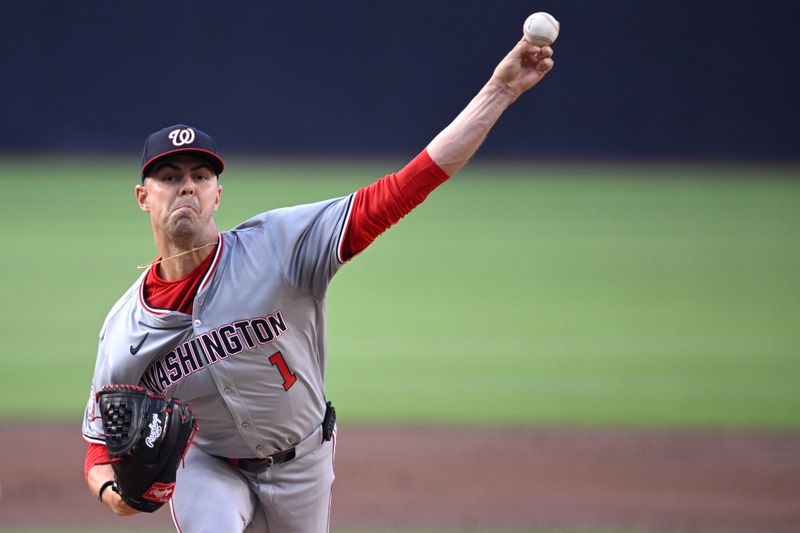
x=517 y=294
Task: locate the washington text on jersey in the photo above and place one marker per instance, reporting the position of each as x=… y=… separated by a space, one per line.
x=210 y=347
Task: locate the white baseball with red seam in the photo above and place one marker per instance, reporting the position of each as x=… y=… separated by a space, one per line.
x=541 y=29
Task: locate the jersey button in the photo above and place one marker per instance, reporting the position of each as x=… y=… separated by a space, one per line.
x=228 y=390
x=197 y=323
x=260 y=448
x=245 y=425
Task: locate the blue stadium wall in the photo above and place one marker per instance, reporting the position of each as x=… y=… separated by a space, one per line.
x=634 y=79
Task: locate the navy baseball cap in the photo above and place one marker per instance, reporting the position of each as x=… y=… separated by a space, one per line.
x=179 y=139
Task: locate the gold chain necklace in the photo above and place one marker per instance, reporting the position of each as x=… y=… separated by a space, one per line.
x=159 y=261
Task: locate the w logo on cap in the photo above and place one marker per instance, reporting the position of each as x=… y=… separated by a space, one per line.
x=180 y=137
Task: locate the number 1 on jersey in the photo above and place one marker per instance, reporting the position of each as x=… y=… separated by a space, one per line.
x=288 y=376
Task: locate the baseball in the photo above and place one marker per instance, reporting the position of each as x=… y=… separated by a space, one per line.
x=541 y=29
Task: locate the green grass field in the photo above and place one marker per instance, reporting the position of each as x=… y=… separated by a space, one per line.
x=566 y=295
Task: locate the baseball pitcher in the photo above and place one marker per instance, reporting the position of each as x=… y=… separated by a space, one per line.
x=208 y=390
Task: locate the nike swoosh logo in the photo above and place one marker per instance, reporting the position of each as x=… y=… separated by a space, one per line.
x=135 y=350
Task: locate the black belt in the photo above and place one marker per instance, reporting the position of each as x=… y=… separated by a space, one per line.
x=260 y=465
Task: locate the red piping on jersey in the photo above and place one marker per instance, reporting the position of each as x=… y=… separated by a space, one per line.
x=379 y=206
x=218 y=253
x=345 y=226
x=93 y=440
x=174 y=516
x=144 y=304
x=206 y=278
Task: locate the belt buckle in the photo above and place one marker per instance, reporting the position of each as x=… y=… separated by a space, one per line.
x=269 y=461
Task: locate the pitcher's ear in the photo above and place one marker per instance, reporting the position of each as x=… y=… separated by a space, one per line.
x=141 y=197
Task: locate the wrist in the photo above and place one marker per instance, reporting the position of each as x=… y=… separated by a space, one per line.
x=502 y=91
x=110 y=483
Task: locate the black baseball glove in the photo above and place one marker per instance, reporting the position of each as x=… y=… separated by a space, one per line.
x=146 y=436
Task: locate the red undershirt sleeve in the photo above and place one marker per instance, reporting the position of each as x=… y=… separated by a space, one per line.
x=378 y=206
x=96 y=454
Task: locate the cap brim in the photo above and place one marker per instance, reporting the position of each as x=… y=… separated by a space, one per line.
x=213 y=159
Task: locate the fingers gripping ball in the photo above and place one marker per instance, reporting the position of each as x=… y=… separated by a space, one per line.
x=541 y=29
x=146 y=436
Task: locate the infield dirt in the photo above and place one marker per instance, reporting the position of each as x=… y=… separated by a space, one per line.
x=468 y=479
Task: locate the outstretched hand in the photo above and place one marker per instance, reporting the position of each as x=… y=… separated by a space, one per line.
x=523 y=67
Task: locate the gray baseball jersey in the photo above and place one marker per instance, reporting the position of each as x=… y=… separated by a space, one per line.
x=250 y=361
